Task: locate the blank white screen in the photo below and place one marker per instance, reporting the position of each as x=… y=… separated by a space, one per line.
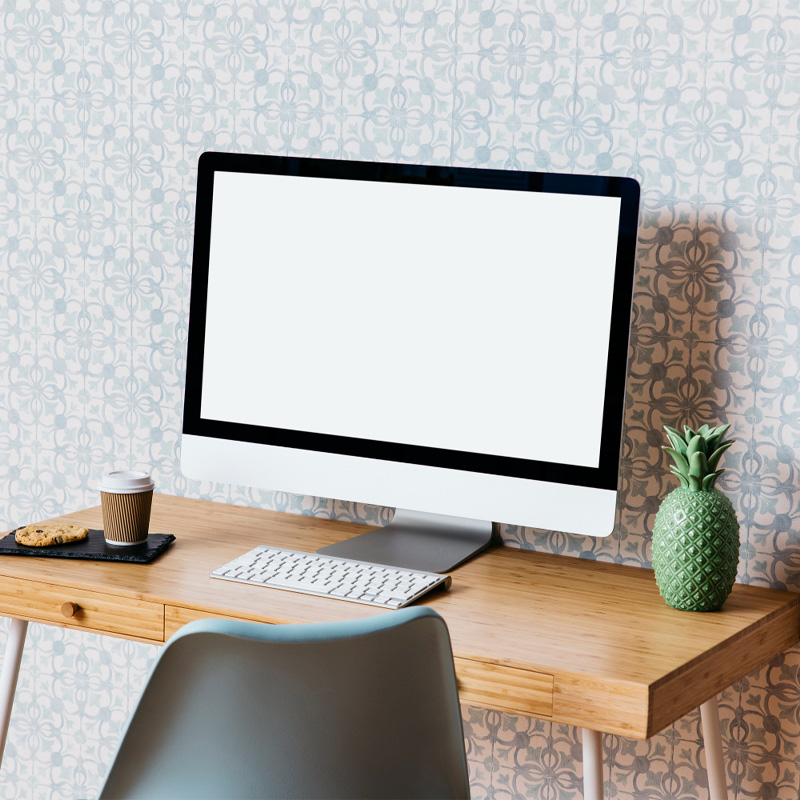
x=468 y=319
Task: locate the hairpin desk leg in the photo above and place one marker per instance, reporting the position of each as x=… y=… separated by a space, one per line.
x=712 y=743
x=592 y=764
x=8 y=677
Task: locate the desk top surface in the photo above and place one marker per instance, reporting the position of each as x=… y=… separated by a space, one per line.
x=586 y=622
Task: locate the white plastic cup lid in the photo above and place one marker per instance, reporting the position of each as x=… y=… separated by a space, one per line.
x=126 y=481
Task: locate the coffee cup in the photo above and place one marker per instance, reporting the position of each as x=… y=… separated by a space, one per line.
x=126 y=497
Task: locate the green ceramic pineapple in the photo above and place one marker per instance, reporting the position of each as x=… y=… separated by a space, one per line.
x=696 y=534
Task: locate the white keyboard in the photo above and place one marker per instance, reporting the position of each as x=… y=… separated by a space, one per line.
x=327 y=576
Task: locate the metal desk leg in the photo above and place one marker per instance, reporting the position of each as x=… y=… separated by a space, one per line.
x=712 y=743
x=8 y=677
x=592 y=764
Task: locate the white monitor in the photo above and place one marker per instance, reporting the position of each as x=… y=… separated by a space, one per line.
x=443 y=340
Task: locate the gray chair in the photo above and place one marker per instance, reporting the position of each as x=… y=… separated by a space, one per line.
x=360 y=709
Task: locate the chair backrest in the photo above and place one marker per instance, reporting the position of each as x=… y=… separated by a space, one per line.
x=359 y=709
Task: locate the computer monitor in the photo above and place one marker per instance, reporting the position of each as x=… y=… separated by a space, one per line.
x=448 y=341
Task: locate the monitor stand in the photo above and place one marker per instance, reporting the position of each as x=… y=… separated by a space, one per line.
x=417 y=540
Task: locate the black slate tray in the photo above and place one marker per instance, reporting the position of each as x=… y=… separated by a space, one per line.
x=93 y=548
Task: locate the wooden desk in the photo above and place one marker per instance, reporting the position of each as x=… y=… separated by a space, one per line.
x=574 y=641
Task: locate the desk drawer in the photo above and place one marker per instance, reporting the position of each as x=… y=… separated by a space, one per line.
x=81 y=609
x=518 y=691
x=175 y=617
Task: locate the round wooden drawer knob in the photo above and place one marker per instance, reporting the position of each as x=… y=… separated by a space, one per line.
x=69 y=609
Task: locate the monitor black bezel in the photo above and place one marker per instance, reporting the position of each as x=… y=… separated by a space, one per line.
x=604 y=476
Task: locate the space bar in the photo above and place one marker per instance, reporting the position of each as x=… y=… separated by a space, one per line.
x=302 y=586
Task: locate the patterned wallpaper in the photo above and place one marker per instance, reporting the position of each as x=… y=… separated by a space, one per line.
x=104 y=108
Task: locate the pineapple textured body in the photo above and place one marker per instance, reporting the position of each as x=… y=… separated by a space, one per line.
x=696 y=549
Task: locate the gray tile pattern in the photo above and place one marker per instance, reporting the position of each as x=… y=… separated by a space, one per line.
x=104 y=108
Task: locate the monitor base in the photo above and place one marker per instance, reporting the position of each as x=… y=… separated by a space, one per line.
x=417 y=540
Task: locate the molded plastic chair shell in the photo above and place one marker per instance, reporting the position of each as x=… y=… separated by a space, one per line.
x=365 y=708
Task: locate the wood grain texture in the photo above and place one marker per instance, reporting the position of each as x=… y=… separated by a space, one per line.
x=753 y=648
x=518 y=691
x=601 y=703
x=69 y=607
x=175 y=617
x=622 y=660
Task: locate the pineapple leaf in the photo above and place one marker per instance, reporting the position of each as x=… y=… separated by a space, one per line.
x=676 y=439
x=696 y=454
x=698 y=465
x=681 y=463
x=683 y=479
x=673 y=431
x=714 y=458
x=712 y=442
x=722 y=430
x=710 y=480
x=716 y=437
x=696 y=445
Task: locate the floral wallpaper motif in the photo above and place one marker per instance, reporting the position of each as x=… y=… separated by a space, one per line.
x=104 y=108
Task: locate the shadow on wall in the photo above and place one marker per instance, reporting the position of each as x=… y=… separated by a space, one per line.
x=714 y=338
